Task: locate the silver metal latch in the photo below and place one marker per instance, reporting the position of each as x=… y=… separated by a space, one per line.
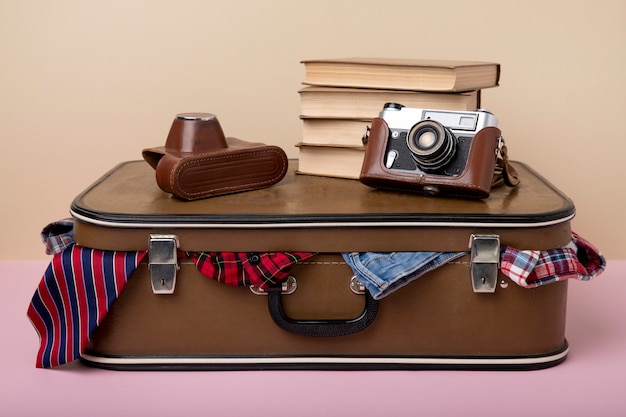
x=163 y=263
x=485 y=262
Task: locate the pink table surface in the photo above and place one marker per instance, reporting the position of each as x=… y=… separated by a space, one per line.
x=591 y=382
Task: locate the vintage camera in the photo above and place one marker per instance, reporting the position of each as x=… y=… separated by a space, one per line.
x=432 y=151
x=431 y=141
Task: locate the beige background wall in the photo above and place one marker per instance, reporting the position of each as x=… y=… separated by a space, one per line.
x=87 y=84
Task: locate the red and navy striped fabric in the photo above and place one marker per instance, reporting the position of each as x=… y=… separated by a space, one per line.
x=76 y=291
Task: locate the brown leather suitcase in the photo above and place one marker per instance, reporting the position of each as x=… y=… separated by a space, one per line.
x=463 y=315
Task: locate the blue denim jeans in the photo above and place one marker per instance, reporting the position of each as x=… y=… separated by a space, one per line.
x=385 y=272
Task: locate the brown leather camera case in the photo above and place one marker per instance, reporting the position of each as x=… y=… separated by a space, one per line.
x=198 y=161
x=475 y=180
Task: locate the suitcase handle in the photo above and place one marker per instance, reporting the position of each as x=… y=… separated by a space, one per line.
x=324 y=328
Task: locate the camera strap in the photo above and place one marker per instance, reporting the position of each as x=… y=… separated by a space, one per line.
x=504 y=172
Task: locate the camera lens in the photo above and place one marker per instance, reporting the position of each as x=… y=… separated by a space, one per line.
x=432 y=145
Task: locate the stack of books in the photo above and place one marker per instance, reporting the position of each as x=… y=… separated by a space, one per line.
x=342 y=96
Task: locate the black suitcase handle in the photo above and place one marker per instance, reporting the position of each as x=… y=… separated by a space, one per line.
x=323 y=328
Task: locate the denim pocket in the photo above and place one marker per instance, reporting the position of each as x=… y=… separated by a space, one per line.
x=384 y=272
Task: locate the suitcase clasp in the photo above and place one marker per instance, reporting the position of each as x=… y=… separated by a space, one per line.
x=485 y=262
x=163 y=263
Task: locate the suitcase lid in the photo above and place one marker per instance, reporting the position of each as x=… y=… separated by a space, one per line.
x=127 y=198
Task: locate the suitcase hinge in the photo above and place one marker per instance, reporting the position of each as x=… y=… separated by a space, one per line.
x=288 y=286
x=485 y=262
x=163 y=263
x=356 y=286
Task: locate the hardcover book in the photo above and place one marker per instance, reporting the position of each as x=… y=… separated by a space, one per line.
x=366 y=103
x=402 y=74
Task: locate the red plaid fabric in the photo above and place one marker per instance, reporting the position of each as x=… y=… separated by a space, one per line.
x=530 y=268
x=245 y=268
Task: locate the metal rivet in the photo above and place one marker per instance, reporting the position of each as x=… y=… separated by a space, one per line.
x=431 y=190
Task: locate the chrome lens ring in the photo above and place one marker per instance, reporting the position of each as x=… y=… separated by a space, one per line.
x=432 y=145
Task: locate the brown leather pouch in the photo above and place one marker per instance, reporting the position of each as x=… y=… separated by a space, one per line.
x=198 y=161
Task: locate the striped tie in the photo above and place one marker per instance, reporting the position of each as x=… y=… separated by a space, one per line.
x=73 y=297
